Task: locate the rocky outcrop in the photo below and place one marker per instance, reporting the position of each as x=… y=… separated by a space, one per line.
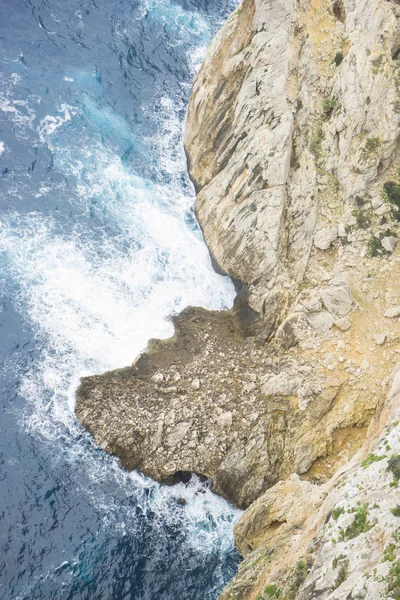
x=211 y=402
x=339 y=540
x=216 y=401
x=293 y=121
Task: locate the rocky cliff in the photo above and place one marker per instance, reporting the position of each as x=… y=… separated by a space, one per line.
x=283 y=402
x=292 y=127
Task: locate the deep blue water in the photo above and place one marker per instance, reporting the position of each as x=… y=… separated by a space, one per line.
x=98 y=246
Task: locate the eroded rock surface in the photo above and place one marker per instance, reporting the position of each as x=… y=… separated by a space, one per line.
x=340 y=540
x=292 y=124
x=214 y=401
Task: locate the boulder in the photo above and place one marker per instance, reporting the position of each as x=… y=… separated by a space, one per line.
x=389 y=243
x=322 y=321
x=325 y=237
x=337 y=298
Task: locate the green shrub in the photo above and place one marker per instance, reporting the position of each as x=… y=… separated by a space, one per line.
x=393 y=193
x=394 y=467
x=342 y=575
x=388 y=553
x=394 y=581
x=372 y=458
x=273 y=591
x=336 y=512
x=328 y=105
x=338 y=59
x=359 y=525
x=396 y=511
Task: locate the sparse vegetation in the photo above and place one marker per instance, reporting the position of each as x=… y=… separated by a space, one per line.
x=396 y=536
x=394 y=581
x=316 y=143
x=363 y=218
x=372 y=145
x=396 y=511
x=343 y=572
x=336 y=512
x=394 y=467
x=337 y=559
x=359 y=525
x=374 y=247
x=388 y=553
x=297 y=576
x=376 y=63
x=338 y=58
x=372 y=458
x=272 y=591
x=359 y=201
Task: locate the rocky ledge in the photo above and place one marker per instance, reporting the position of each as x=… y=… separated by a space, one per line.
x=292 y=144
x=215 y=399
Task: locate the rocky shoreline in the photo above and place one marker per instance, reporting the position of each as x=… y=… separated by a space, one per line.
x=289 y=401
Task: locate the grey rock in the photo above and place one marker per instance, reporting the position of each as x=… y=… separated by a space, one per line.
x=383 y=210
x=157 y=378
x=321 y=321
x=338 y=299
x=391 y=313
x=225 y=420
x=380 y=339
x=286 y=334
x=282 y=385
x=325 y=237
x=196 y=383
x=389 y=243
x=344 y=323
x=376 y=202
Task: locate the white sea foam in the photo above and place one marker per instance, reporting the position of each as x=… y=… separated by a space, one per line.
x=21 y=112
x=179 y=22
x=94 y=301
x=94 y=305
x=50 y=123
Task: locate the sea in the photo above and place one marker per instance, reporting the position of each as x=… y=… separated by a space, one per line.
x=99 y=247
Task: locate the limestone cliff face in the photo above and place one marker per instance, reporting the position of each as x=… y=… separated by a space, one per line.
x=294 y=115
x=336 y=541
